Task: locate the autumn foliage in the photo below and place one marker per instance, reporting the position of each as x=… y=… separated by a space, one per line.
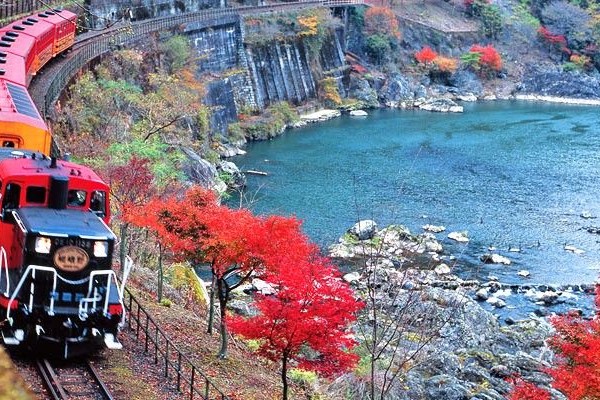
x=576 y=372
x=489 y=57
x=381 y=20
x=426 y=55
x=310 y=307
x=524 y=390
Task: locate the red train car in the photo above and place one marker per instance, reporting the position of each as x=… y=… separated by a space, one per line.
x=65 y=26
x=42 y=34
x=57 y=289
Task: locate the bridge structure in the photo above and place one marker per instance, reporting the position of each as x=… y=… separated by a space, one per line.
x=46 y=88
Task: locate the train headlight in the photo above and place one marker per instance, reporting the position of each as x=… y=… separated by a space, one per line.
x=100 y=249
x=42 y=245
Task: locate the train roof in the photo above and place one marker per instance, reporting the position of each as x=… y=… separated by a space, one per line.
x=12 y=68
x=58 y=17
x=31 y=29
x=16 y=105
x=18 y=163
x=21 y=45
x=86 y=225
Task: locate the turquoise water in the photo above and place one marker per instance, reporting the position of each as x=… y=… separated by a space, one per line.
x=512 y=174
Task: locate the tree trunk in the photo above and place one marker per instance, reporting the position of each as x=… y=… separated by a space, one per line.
x=123 y=249
x=223 y=312
x=211 y=305
x=284 y=394
x=160 y=274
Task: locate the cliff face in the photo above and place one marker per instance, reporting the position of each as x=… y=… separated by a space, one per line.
x=247 y=76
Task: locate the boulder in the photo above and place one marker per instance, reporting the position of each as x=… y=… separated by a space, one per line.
x=364 y=229
x=396 y=91
x=441 y=105
x=361 y=90
x=237 y=179
x=434 y=228
x=493 y=258
x=459 y=236
x=442 y=269
x=358 y=113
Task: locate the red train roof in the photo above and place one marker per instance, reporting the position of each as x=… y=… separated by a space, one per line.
x=24 y=163
x=34 y=29
x=21 y=45
x=57 y=17
x=13 y=67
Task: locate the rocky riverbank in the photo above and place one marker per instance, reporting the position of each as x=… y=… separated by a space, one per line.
x=471 y=354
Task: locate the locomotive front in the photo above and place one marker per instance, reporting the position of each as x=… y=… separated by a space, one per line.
x=58 y=293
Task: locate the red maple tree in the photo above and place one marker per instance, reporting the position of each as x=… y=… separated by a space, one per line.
x=426 y=55
x=307 y=322
x=576 y=372
x=131 y=185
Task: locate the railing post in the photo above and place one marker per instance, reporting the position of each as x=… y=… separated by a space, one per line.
x=156 y=345
x=167 y=360
x=179 y=371
x=147 y=335
x=192 y=383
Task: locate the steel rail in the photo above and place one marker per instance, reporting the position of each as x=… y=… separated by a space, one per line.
x=56 y=388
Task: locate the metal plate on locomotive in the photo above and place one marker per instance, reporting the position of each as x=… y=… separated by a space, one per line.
x=71 y=259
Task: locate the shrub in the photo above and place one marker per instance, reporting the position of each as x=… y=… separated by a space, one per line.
x=378 y=47
x=445 y=64
x=484 y=59
x=425 y=55
x=166 y=302
x=330 y=93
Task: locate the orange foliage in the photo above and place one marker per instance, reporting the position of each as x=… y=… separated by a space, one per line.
x=425 y=55
x=445 y=64
x=381 y=20
x=309 y=25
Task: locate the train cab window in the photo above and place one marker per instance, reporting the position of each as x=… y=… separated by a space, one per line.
x=98 y=203
x=12 y=197
x=35 y=194
x=8 y=143
x=76 y=198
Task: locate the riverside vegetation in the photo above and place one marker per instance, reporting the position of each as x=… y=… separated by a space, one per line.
x=144 y=111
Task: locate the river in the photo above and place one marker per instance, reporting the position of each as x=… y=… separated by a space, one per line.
x=512 y=174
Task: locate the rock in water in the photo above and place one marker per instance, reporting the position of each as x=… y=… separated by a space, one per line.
x=364 y=229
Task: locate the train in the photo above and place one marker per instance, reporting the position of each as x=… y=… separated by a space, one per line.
x=58 y=292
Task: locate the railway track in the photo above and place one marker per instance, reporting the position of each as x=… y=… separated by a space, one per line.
x=72 y=381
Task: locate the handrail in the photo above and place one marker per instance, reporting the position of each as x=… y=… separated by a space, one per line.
x=189 y=378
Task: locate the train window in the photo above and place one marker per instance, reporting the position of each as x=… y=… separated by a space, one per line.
x=35 y=194
x=98 y=203
x=76 y=198
x=8 y=143
x=11 y=196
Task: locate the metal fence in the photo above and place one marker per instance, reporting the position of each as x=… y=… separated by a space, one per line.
x=176 y=365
